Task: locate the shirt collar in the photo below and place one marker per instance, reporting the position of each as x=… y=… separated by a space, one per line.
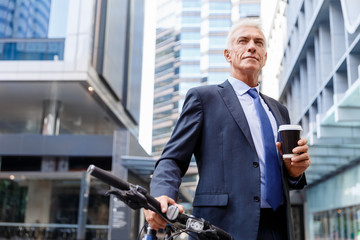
x=239 y=86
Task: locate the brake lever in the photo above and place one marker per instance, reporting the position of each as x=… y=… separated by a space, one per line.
x=133 y=199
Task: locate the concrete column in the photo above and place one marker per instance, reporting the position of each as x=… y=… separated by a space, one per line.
x=38 y=202
x=50 y=119
x=120 y=214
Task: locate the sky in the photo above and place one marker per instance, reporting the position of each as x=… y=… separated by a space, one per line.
x=57 y=22
x=147 y=86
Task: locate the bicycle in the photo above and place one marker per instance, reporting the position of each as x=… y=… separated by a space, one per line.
x=137 y=197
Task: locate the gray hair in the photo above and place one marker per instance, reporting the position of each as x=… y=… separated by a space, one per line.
x=244 y=22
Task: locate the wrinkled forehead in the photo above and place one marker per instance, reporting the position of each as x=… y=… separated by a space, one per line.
x=248 y=32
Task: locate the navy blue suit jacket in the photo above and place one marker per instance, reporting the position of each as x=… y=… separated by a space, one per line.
x=213 y=127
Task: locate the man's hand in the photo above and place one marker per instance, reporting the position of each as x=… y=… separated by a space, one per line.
x=154 y=219
x=299 y=163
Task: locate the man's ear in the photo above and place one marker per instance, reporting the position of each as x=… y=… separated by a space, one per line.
x=227 y=55
x=265 y=58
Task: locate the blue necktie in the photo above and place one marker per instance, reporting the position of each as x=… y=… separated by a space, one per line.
x=273 y=193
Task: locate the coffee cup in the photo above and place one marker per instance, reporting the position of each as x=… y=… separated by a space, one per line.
x=289 y=136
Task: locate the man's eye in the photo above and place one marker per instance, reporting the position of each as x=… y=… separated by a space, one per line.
x=242 y=41
x=260 y=44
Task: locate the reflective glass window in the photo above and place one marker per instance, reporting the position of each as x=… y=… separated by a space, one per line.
x=42 y=21
x=189 y=69
x=190 y=36
x=191 y=4
x=191 y=19
x=164 y=67
x=161 y=131
x=163 y=98
x=163 y=38
x=250 y=10
x=216 y=58
x=220 y=6
x=164 y=52
x=190 y=53
x=219 y=23
x=185 y=86
x=217 y=41
x=217 y=77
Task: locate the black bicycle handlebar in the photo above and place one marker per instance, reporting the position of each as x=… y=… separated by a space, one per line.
x=116 y=182
x=108 y=178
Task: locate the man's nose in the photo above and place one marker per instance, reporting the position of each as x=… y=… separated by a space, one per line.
x=251 y=46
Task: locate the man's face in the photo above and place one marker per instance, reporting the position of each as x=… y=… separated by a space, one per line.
x=248 y=53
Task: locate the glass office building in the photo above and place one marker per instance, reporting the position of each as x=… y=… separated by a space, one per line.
x=319 y=81
x=190 y=40
x=69 y=97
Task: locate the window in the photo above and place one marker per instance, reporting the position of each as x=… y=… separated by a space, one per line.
x=220 y=6
x=191 y=20
x=217 y=41
x=189 y=70
x=250 y=10
x=191 y=4
x=185 y=86
x=219 y=23
x=217 y=77
x=190 y=53
x=190 y=36
x=216 y=59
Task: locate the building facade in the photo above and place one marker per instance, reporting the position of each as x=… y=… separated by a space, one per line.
x=70 y=97
x=319 y=83
x=190 y=41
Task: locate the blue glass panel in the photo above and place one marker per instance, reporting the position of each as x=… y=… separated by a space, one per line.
x=220 y=6
x=34 y=49
x=219 y=23
x=190 y=36
x=192 y=4
x=250 y=10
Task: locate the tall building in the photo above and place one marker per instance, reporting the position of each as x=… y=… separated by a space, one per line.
x=319 y=82
x=67 y=102
x=25 y=19
x=191 y=37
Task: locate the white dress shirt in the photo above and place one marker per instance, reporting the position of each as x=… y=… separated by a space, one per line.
x=247 y=103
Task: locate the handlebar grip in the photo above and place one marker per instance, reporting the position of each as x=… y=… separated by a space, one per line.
x=221 y=233
x=116 y=182
x=108 y=178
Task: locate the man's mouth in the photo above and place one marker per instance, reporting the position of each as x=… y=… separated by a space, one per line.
x=250 y=57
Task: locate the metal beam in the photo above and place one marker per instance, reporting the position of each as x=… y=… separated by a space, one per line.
x=338 y=132
x=334 y=151
x=321 y=169
x=333 y=161
x=313 y=139
x=347 y=114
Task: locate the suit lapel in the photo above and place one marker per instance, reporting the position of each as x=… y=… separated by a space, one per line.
x=274 y=110
x=232 y=103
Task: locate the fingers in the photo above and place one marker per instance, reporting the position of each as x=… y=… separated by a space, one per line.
x=302 y=148
x=302 y=141
x=278 y=146
x=165 y=202
x=156 y=222
x=302 y=160
x=180 y=207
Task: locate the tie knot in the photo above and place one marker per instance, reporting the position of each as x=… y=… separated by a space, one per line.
x=253 y=93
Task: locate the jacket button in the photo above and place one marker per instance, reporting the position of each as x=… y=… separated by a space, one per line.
x=256 y=199
x=255 y=164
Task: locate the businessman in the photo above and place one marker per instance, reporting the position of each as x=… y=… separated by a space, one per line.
x=231 y=129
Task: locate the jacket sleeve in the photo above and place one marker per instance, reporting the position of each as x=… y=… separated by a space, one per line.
x=177 y=153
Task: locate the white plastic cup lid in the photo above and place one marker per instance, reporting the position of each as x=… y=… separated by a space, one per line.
x=289 y=127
